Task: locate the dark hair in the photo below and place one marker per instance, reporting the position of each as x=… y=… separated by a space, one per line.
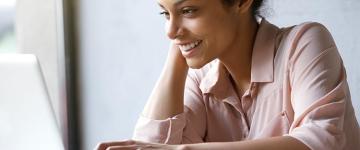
x=255 y=8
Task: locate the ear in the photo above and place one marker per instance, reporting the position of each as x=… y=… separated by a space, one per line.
x=244 y=6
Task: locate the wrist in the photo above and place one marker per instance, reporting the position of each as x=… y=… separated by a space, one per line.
x=176 y=69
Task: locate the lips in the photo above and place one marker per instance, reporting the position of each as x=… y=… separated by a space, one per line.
x=188 y=49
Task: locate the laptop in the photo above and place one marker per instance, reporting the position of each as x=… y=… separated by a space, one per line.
x=27 y=120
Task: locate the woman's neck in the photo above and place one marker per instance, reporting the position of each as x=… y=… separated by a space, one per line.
x=237 y=60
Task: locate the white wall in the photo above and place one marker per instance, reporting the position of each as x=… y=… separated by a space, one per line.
x=37 y=33
x=123 y=48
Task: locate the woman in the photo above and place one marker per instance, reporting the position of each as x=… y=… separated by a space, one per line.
x=250 y=84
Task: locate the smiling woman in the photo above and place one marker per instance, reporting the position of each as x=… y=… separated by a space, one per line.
x=232 y=80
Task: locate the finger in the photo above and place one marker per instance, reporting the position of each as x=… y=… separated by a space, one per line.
x=103 y=146
x=128 y=147
x=142 y=146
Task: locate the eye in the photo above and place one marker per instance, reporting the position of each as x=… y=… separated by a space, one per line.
x=188 y=11
x=165 y=13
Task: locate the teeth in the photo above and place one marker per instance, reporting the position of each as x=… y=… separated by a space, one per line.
x=189 y=46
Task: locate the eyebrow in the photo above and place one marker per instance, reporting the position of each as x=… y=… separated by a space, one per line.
x=177 y=2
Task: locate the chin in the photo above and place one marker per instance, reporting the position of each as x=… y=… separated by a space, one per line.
x=193 y=64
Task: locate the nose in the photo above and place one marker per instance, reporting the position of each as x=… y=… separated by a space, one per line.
x=173 y=29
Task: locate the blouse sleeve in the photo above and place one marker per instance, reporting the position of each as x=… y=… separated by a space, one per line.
x=319 y=90
x=187 y=127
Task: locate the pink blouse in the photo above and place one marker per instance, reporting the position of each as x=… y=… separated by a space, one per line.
x=298 y=89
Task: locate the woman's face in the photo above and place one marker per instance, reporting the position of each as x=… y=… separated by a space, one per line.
x=202 y=29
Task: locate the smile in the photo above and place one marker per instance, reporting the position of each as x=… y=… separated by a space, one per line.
x=189 y=46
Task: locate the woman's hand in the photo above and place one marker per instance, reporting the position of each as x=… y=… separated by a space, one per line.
x=175 y=58
x=135 y=145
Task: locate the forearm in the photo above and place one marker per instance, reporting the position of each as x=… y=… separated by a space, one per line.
x=166 y=99
x=275 y=143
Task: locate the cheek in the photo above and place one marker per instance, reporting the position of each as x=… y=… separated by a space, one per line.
x=198 y=27
x=218 y=40
x=223 y=34
x=216 y=35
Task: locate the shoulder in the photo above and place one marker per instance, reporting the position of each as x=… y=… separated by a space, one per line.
x=310 y=31
x=305 y=32
x=307 y=39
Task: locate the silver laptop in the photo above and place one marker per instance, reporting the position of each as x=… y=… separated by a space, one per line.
x=27 y=120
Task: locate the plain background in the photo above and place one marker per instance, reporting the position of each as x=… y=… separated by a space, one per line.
x=123 y=47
